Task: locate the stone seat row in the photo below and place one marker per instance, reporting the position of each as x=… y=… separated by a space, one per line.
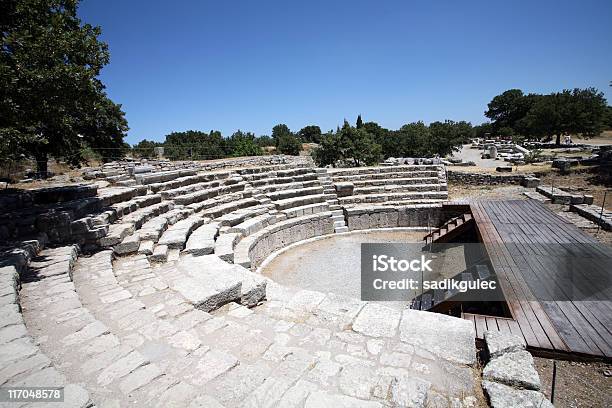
x=22 y=361
x=227 y=209
x=405 y=197
x=393 y=169
x=398 y=187
x=370 y=182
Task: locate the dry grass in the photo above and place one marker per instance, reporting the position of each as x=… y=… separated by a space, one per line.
x=604 y=139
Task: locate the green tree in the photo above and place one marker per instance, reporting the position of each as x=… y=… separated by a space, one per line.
x=310 y=134
x=348 y=145
x=145 y=148
x=359 y=123
x=289 y=144
x=411 y=140
x=446 y=137
x=195 y=145
x=243 y=144
x=608 y=121
x=264 y=141
x=279 y=131
x=52 y=102
x=484 y=130
x=506 y=109
x=382 y=137
x=328 y=151
x=579 y=111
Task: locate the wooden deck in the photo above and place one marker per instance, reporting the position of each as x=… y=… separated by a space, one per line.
x=530 y=249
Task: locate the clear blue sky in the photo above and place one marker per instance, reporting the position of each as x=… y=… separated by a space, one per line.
x=249 y=65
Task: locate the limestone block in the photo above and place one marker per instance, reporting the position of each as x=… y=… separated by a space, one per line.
x=513 y=368
x=499 y=343
x=502 y=396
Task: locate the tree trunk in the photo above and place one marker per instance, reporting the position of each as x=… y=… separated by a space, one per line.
x=558 y=143
x=41 y=164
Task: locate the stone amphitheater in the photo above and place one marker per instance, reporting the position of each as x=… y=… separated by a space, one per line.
x=146 y=292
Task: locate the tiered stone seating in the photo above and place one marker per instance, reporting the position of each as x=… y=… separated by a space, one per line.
x=393 y=185
x=176 y=235
x=175 y=323
x=211 y=181
x=198 y=196
x=202 y=241
x=187 y=181
x=23 y=362
x=251 y=250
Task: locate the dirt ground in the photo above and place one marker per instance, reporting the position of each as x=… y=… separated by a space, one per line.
x=604 y=139
x=577 y=384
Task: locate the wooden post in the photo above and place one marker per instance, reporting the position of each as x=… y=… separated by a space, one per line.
x=602 y=210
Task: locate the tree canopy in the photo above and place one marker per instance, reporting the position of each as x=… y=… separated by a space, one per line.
x=371 y=143
x=577 y=111
x=310 y=134
x=52 y=102
x=279 y=131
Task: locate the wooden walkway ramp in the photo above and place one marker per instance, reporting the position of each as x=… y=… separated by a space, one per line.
x=555 y=278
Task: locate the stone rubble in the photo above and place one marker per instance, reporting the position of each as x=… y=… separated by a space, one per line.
x=510 y=379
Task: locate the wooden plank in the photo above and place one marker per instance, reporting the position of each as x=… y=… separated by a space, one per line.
x=491 y=323
x=503 y=326
x=481 y=326
x=568 y=333
x=472 y=318
x=525 y=314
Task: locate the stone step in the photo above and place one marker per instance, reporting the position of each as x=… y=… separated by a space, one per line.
x=242 y=214
x=395 y=181
x=220 y=210
x=162 y=176
x=298 y=201
x=224 y=246
x=339 y=224
x=406 y=197
x=305 y=210
x=216 y=201
x=146 y=247
x=176 y=236
x=595 y=214
x=253 y=225
x=341 y=229
x=206 y=194
x=128 y=245
x=301 y=192
x=160 y=254
x=208 y=282
x=202 y=240
x=534 y=195
x=399 y=188
x=116 y=234
x=113 y=195
x=296 y=185
x=75 y=338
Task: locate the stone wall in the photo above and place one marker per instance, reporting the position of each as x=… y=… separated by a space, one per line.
x=420 y=215
x=52 y=212
x=282 y=234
